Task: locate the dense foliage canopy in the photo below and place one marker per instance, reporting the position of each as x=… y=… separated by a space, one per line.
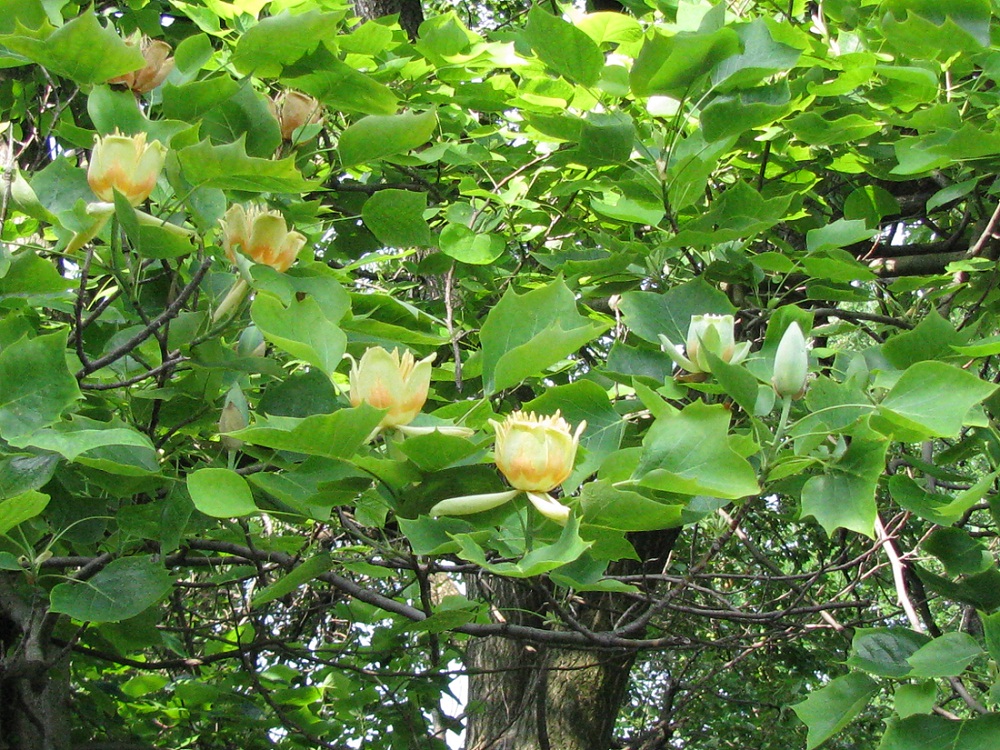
x=301 y=319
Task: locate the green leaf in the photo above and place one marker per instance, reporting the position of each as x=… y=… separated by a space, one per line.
x=991 y=633
x=933 y=338
x=109 y=446
x=884 y=651
x=918 y=698
x=649 y=314
x=564 y=48
x=606 y=138
x=607 y=506
x=302 y=329
x=377 y=136
x=81 y=50
x=313 y=487
x=670 y=64
x=396 y=218
x=20 y=508
x=21 y=473
x=280 y=40
x=831 y=708
x=300 y=574
x=526 y=333
x=761 y=58
x=37 y=386
x=958 y=551
x=946 y=656
x=336 y=435
x=732 y=114
x=567 y=548
x=844 y=496
x=123 y=589
x=840 y=233
x=228 y=167
x=937 y=733
x=435 y=451
x=342 y=88
x=466 y=246
x=33 y=279
x=933 y=398
x=688 y=452
x=220 y=493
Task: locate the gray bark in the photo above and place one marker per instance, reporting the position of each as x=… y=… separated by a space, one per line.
x=411 y=12
x=532 y=698
x=34 y=677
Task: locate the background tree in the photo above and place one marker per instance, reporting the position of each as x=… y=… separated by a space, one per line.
x=217 y=530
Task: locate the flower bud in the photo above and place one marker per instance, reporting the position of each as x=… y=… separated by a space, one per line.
x=791 y=364
x=293 y=110
x=260 y=235
x=127 y=164
x=158 y=64
x=232 y=419
x=536 y=454
x=707 y=333
x=390 y=381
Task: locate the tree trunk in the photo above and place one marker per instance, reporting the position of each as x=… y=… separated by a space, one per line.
x=34 y=678
x=531 y=698
x=411 y=12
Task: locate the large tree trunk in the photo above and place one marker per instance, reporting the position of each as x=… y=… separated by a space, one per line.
x=534 y=698
x=34 y=677
x=526 y=697
x=411 y=12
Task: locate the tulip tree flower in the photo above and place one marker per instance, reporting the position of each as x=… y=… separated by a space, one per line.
x=391 y=381
x=158 y=64
x=261 y=235
x=536 y=455
x=707 y=333
x=127 y=164
x=293 y=110
x=791 y=364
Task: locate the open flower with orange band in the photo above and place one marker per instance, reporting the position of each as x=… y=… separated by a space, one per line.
x=536 y=455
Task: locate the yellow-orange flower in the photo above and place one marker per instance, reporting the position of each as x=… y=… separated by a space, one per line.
x=293 y=110
x=158 y=64
x=536 y=454
x=260 y=235
x=127 y=164
x=391 y=381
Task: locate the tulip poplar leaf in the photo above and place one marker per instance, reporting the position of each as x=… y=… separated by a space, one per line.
x=938 y=733
x=220 y=493
x=342 y=88
x=948 y=655
x=280 y=40
x=37 y=386
x=828 y=710
x=526 y=333
x=564 y=48
x=932 y=398
x=396 y=218
x=230 y=168
x=689 y=453
x=844 y=495
x=20 y=508
x=122 y=590
x=610 y=507
x=377 y=136
x=302 y=329
x=336 y=435
x=82 y=49
x=567 y=548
